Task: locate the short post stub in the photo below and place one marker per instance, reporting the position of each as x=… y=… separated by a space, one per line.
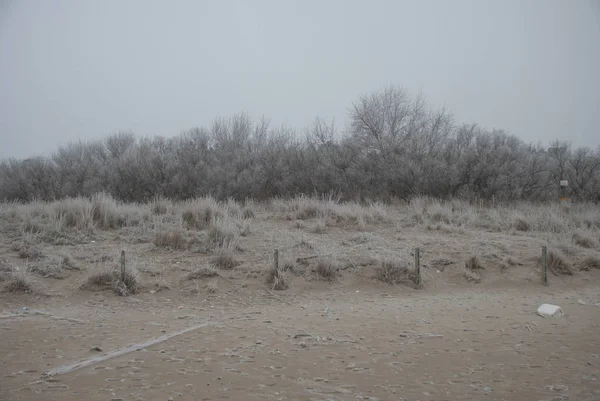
x=544 y=265
x=418 y=278
x=123 y=265
x=276 y=260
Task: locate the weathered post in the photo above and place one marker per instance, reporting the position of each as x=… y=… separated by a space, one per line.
x=419 y=281
x=123 y=265
x=544 y=265
x=276 y=261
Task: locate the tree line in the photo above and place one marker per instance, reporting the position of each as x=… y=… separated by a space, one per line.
x=394 y=146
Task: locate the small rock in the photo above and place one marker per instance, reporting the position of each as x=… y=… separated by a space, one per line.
x=581 y=302
x=96 y=349
x=549 y=310
x=259 y=342
x=488 y=389
x=116 y=399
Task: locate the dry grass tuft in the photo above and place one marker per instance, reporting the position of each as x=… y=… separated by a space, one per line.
x=362 y=238
x=320 y=227
x=287 y=264
x=327 y=268
x=48 y=269
x=299 y=224
x=521 y=224
x=170 y=239
x=99 y=278
x=160 y=206
x=246 y=229
x=557 y=263
x=212 y=287
x=472 y=276
x=68 y=263
x=197 y=221
x=200 y=213
x=131 y=282
x=471 y=270
x=110 y=214
x=395 y=272
x=221 y=233
x=28 y=251
x=5 y=270
x=248 y=213
x=276 y=279
x=307 y=211
x=19 y=281
x=224 y=260
x=473 y=264
x=589 y=263
x=111 y=278
x=201 y=273
x=74 y=213
x=583 y=240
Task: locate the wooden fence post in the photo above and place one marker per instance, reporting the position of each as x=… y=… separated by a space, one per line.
x=123 y=265
x=544 y=265
x=419 y=281
x=276 y=261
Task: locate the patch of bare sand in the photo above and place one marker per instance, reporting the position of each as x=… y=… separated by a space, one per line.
x=332 y=345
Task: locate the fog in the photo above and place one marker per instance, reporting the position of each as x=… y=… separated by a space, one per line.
x=73 y=70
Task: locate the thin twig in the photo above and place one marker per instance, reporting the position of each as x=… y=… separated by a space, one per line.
x=118 y=352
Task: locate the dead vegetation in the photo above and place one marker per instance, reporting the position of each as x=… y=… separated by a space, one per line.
x=276 y=279
x=202 y=272
x=101 y=277
x=583 y=241
x=320 y=227
x=110 y=278
x=170 y=239
x=471 y=270
x=212 y=287
x=218 y=230
x=521 y=224
x=199 y=215
x=26 y=250
x=224 y=260
x=18 y=280
x=395 y=271
x=590 y=263
x=5 y=270
x=473 y=263
x=248 y=213
x=472 y=276
x=221 y=233
x=557 y=263
x=48 y=269
x=327 y=268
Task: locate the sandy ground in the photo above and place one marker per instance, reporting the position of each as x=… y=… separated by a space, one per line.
x=345 y=343
x=351 y=339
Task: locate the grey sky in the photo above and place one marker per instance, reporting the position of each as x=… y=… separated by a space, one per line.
x=84 y=69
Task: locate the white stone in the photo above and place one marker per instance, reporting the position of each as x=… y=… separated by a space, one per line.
x=549 y=310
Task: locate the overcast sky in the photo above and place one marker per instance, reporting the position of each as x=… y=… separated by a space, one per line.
x=83 y=69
